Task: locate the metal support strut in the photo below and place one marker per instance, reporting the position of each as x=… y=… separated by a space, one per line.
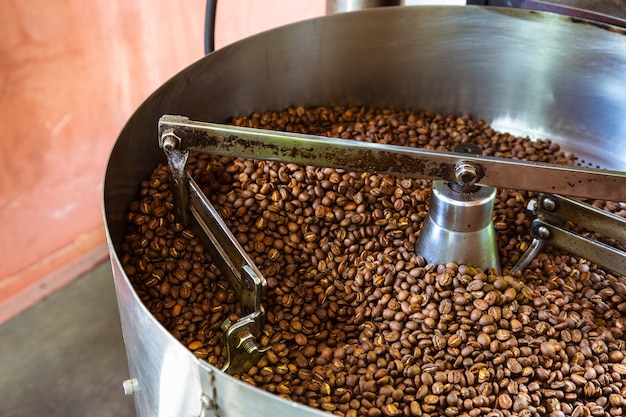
x=554 y=211
x=242 y=274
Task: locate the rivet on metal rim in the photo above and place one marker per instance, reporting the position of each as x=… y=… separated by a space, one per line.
x=131 y=386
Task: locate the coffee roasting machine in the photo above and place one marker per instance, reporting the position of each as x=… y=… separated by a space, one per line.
x=538 y=69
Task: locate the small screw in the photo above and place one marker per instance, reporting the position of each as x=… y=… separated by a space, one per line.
x=131 y=386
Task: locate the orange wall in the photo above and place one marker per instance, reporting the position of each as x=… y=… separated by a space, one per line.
x=71 y=73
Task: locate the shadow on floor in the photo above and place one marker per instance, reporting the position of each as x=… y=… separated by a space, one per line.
x=65 y=356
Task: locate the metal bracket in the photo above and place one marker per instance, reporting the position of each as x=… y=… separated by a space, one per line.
x=177 y=161
x=242 y=274
x=242 y=351
x=553 y=211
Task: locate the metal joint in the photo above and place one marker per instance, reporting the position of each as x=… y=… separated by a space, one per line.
x=242 y=351
x=553 y=212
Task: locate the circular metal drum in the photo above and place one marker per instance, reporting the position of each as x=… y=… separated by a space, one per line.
x=527 y=73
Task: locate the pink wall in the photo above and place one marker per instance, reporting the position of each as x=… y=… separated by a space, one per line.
x=71 y=73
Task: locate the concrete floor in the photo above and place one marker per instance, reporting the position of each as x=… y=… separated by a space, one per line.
x=65 y=356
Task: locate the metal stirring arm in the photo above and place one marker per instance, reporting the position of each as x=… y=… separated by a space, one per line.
x=242 y=274
x=553 y=211
x=394 y=160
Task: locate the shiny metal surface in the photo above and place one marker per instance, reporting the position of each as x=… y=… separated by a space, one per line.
x=339 y=6
x=243 y=276
x=530 y=73
x=166 y=373
x=459 y=228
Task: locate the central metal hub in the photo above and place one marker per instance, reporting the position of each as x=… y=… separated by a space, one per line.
x=459 y=228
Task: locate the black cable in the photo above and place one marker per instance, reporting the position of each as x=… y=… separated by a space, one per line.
x=209 y=27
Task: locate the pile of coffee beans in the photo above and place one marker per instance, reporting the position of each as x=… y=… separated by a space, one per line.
x=358 y=324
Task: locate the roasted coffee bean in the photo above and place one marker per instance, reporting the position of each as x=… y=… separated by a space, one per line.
x=356 y=323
